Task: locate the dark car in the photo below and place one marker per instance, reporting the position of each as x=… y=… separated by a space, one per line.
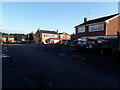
x=93 y=43
x=109 y=46
x=74 y=45
x=88 y=44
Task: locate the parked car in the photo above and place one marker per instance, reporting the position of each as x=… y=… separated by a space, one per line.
x=19 y=42
x=74 y=45
x=93 y=43
x=88 y=44
x=109 y=46
x=82 y=45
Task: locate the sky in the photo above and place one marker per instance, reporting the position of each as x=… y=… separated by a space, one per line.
x=26 y=17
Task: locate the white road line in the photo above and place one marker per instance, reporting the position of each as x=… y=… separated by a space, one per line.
x=62 y=55
x=4 y=56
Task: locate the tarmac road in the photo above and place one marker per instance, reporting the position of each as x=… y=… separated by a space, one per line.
x=44 y=68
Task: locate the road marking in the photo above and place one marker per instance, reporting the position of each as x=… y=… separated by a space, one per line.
x=79 y=57
x=62 y=55
x=4 y=56
x=50 y=84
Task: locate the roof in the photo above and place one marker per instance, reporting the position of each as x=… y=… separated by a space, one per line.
x=47 y=31
x=63 y=33
x=97 y=20
x=60 y=33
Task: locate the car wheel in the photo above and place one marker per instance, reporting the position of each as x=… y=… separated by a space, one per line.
x=114 y=50
x=90 y=46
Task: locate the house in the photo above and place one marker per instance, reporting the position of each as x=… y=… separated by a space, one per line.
x=9 y=38
x=46 y=36
x=4 y=39
x=23 y=39
x=64 y=38
x=98 y=28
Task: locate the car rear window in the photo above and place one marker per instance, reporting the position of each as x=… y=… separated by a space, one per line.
x=74 y=42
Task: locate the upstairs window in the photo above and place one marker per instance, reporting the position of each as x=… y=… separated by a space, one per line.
x=46 y=35
x=68 y=36
x=94 y=28
x=54 y=36
x=81 y=29
x=62 y=36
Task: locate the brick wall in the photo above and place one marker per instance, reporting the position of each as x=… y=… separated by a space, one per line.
x=112 y=26
x=119 y=23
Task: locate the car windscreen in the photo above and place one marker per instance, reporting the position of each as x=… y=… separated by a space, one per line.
x=91 y=42
x=81 y=42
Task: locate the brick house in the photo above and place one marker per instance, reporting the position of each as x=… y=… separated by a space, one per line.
x=104 y=26
x=64 y=38
x=9 y=38
x=46 y=37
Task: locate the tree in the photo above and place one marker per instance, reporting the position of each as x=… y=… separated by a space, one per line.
x=4 y=34
x=6 y=38
x=30 y=37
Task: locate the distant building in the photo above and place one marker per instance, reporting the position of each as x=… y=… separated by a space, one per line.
x=64 y=38
x=23 y=38
x=46 y=36
x=9 y=38
x=97 y=28
x=4 y=39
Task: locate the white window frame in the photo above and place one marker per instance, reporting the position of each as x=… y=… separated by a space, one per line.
x=46 y=35
x=81 y=30
x=68 y=36
x=97 y=27
x=54 y=36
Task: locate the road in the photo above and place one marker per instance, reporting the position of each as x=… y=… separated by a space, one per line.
x=39 y=67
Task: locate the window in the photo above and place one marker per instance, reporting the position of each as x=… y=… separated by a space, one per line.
x=81 y=29
x=54 y=36
x=99 y=27
x=46 y=35
x=62 y=36
x=68 y=36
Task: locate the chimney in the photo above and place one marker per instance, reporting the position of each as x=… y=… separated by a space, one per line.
x=85 y=20
x=38 y=29
x=57 y=31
